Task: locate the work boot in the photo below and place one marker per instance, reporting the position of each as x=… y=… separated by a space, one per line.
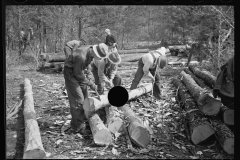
x=84 y=129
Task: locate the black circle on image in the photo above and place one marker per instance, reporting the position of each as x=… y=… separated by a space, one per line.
x=108 y=1
x=49 y=1
x=118 y=96
x=20 y=1
x=79 y=1
x=138 y=1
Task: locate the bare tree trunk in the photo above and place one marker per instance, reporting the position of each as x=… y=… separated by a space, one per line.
x=122 y=39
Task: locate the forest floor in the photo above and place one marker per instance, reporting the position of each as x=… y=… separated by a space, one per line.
x=168 y=139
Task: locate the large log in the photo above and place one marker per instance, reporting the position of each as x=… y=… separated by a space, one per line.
x=227 y=115
x=208 y=78
x=196 y=79
x=55 y=57
x=206 y=103
x=224 y=136
x=91 y=104
x=33 y=148
x=198 y=128
x=101 y=135
x=138 y=133
x=133 y=51
x=114 y=120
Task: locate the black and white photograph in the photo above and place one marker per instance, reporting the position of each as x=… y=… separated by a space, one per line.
x=119 y=81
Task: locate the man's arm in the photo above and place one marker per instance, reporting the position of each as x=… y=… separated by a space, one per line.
x=100 y=65
x=113 y=71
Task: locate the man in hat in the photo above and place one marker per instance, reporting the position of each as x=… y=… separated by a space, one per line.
x=71 y=46
x=105 y=72
x=111 y=41
x=147 y=66
x=76 y=83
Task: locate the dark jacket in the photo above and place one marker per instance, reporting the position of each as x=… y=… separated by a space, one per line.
x=225 y=79
x=110 y=39
x=80 y=63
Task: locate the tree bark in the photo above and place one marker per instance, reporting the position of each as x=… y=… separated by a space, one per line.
x=59 y=57
x=33 y=147
x=114 y=120
x=197 y=129
x=208 y=78
x=138 y=133
x=206 y=103
x=91 y=104
x=101 y=135
x=196 y=79
x=224 y=136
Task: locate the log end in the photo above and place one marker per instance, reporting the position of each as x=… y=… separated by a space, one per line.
x=228 y=117
x=140 y=136
x=116 y=126
x=34 y=154
x=103 y=137
x=209 y=105
x=228 y=146
x=201 y=133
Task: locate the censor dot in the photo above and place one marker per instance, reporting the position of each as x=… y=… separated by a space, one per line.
x=118 y=96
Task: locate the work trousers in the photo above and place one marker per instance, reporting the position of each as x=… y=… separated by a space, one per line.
x=117 y=81
x=77 y=92
x=138 y=76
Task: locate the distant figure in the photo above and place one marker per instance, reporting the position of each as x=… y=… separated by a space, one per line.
x=71 y=46
x=224 y=86
x=111 y=41
x=147 y=66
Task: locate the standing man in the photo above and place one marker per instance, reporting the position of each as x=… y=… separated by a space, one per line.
x=76 y=83
x=111 y=41
x=71 y=46
x=105 y=72
x=147 y=66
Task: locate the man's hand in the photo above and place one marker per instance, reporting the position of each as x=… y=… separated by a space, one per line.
x=110 y=84
x=93 y=86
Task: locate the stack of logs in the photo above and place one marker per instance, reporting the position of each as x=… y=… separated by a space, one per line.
x=117 y=118
x=205 y=116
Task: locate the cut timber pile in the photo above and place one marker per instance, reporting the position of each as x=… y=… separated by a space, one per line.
x=133 y=51
x=101 y=135
x=207 y=104
x=114 y=120
x=33 y=148
x=138 y=133
x=91 y=104
x=204 y=75
x=198 y=128
x=196 y=79
x=224 y=136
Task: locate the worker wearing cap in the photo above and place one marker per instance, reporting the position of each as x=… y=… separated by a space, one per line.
x=71 y=46
x=76 y=83
x=105 y=72
x=147 y=66
x=111 y=41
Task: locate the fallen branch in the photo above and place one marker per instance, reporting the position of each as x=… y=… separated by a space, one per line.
x=16 y=108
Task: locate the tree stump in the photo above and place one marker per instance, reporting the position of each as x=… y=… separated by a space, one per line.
x=198 y=127
x=206 y=103
x=33 y=148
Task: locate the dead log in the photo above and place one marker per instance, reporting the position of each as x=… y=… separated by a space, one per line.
x=206 y=103
x=198 y=128
x=91 y=104
x=101 y=135
x=224 y=136
x=33 y=148
x=196 y=79
x=227 y=115
x=57 y=57
x=114 y=120
x=208 y=78
x=138 y=133
x=133 y=51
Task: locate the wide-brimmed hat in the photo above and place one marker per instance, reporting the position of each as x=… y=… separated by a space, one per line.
x=114 y=58
x=162 y=61
x=162 y=50
x=107 y=30
x=101 y=50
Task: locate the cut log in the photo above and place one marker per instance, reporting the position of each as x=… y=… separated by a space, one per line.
x=224 y=136
x=101 y=135
x=196 y=79
x=133 y=51
x=91 y=104
x=138 y=133
x=114 y=120
x=55 y=57
x=198 y=128
x=227 y=115
x=33 y=148
x=208 y=78
x=206 y=103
